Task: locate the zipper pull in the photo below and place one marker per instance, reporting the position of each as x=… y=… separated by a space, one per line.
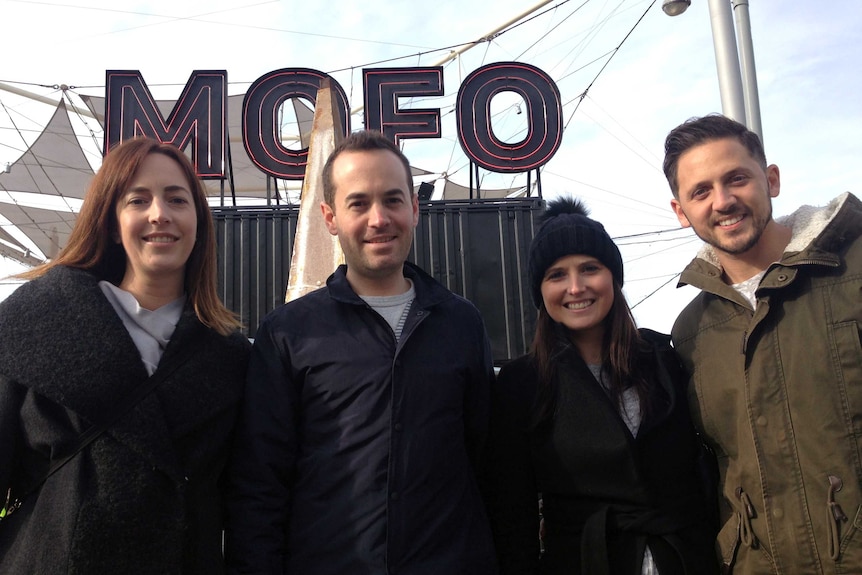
x=835 y=518
x=835 y=485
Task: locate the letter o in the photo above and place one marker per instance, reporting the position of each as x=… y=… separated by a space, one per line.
x=544 y=116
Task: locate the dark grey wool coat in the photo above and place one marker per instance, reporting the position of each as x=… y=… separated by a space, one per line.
x=142 y=498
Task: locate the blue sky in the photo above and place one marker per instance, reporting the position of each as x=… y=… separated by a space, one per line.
x=807 y=58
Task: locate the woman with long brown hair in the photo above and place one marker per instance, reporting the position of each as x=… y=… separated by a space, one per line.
x=594 y=422
x=120 y=375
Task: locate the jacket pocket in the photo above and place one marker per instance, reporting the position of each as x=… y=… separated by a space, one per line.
x=851 y=545
x=848 y=369
x=835 y=517
x=841 y=529
x=728 y=543
x=737 y=542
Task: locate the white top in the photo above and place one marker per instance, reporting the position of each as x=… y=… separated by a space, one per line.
x=747 y=288
x=151 y=330
x=630 y=410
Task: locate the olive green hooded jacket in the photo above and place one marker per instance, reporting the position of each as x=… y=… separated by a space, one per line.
x=778 y=391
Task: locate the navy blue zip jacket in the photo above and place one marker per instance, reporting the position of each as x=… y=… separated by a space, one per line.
x=356 y=454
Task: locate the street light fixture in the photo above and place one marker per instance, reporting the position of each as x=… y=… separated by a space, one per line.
x=675 y=7
x=739 y=96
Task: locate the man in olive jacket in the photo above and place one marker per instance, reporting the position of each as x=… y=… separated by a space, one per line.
x=366 y=404
x=773 y=346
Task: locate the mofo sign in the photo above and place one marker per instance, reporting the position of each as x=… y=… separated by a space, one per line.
x=199 y=118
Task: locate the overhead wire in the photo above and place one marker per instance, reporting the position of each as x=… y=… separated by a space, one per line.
x=614 y=52
x=80 y=116
x=560 y=23
x=655 y=291
x=653 y=162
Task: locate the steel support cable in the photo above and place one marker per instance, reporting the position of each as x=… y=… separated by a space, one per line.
x=15 y=202
x=614 y=52
x=80 y=116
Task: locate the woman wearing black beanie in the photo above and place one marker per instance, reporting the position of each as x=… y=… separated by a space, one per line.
x=594 y=423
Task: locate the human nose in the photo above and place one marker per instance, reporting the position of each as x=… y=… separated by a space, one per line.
x=575 y=284
x=724 y=199
x=378 y=216
x=159 y=211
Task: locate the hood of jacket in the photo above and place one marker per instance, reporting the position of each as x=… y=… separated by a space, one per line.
x=816 y=232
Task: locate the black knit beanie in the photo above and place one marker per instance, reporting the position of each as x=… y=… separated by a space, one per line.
x=566 y=230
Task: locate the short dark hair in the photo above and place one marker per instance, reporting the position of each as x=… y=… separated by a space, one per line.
x=362 y=141
x=696 y=131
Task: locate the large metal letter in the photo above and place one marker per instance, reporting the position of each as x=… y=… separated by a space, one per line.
x=260 y=112
x=199 y=117
x=383 y=87
x=544 y=117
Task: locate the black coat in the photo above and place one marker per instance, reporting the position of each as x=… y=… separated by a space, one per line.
x=143 y=497
x=605 y=493
x=355 y=452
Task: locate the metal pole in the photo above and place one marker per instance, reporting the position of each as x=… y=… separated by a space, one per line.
x=749 y=75
x=491 y=34
x=726 y=60
x=45 y=100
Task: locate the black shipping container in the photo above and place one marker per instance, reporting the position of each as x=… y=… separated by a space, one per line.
x=476 y=248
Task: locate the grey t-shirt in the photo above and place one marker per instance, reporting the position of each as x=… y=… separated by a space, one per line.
x=393 y=308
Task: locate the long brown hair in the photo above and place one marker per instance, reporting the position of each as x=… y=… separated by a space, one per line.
x=620 y=348
x=91 y=244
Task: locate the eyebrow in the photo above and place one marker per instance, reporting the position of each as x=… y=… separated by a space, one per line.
x=396 y=192
x=386 y=194
x=589 y=260
x=171 y=188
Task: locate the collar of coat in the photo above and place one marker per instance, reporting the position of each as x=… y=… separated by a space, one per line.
x=61 y=338
x=429 y=292
x=818 y=228
x=655 y=357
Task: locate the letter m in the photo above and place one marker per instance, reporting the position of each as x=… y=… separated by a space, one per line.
x=198 y=118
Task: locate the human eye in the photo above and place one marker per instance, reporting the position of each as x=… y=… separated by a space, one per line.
x=134 y=200
x=554 y=274
x=592 y=268
x=739 y=179
x=699 y=192
x=357 y=204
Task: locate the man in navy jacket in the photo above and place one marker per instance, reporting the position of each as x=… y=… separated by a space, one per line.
x=366 y=404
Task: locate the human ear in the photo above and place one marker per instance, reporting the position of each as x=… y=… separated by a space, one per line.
x=680 y=214
x=773 y=180
x=329 y=218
